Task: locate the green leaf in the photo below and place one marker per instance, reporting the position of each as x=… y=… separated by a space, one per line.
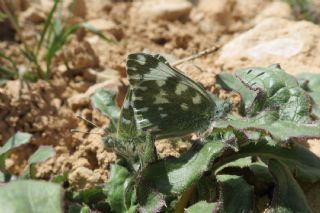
x=104 y=100
x=42 y=154
x=262 y=179
x=312 y=87
x=31 y=196
x=60 y=178
x=203 y=207
x=236 y=194
x=287 y=196
x=275 y=89
x=74 y=208
x=90 y=196
x=304 y=164
x=16 y=140
x=229 y=81
x=206 y=188
x=239 y=163
x=168 y=178
x=85 y=209
x=270 y=123
x=119 y=192
x=2 y=177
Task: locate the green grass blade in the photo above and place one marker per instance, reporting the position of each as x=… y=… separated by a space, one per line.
x=6 y=72
x=90 y=28
x=13 y=63
x=47 y=24
x=2 y=17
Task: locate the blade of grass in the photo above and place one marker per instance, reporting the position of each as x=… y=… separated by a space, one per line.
x=13 y=63
x=7 y=72
x=47 y=24
x=33 y=59
x=91 y=29
x=2 y=17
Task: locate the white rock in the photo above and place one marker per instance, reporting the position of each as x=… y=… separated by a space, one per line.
x=295 y=45
x=163 y=9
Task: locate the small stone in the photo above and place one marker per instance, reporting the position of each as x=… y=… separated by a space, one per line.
x=34 y=14
x=78 y=101
x=80 y=55
x=107 y=26
x=78 y=8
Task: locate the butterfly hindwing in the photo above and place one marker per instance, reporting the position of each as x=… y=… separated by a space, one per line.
x=165 y=101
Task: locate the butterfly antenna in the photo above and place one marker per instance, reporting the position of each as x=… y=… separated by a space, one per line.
x=198 y=55
x=91 y=123
x=86 y=120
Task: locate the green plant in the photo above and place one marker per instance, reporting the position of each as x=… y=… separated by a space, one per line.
x=52 y=38
x=241 y=161
x=20 y=195
x=304 y=9
x=40 y=155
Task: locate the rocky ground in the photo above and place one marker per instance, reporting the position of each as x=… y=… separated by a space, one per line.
x=250 y=33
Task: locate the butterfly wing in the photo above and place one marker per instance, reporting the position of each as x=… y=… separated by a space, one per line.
x=164 y=101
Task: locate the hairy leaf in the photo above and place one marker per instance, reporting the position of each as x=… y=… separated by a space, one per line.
x=42 y=154
x=287 y=196
x=229 y=81
x=312 y=87
x=31 y=196
x=236 y=194
x=239 y=163
x=16 y=140
x=270 y=123
x=119 y=192
x=304 y=164
x=273 y=89
x=104 y=100
x=168 y=178
x=203 y=207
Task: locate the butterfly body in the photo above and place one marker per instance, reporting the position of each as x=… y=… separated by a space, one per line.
x=165 y=102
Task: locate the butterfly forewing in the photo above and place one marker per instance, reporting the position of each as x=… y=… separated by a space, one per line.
x=164 y=101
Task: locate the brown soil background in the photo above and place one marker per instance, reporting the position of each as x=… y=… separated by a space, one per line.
x=250 y=33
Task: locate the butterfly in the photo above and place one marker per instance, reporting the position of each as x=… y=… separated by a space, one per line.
x=163 y=101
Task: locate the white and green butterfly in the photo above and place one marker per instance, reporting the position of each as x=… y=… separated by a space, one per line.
x=163 y=101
